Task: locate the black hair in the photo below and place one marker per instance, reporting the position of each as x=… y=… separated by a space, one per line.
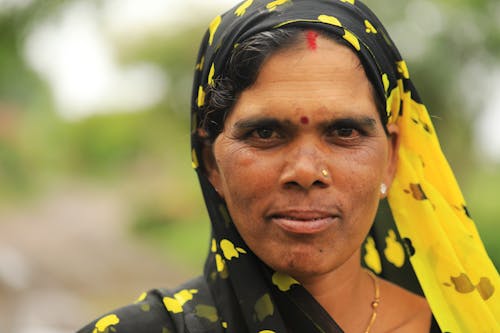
x=242 y=69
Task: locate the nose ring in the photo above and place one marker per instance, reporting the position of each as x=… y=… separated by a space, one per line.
x=324 y=173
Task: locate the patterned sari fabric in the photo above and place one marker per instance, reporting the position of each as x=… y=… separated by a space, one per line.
x=432 y=249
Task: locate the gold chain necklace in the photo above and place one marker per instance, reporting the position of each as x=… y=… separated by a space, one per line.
x=375 y=302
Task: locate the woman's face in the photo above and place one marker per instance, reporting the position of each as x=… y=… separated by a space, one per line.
x=301 y=159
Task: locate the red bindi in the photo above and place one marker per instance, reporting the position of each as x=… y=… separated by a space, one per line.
x=312 y=37
x=304 y=120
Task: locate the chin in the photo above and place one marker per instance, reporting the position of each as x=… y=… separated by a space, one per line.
x=303 y=264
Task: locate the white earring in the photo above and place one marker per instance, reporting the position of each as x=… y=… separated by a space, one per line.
x=383 y=189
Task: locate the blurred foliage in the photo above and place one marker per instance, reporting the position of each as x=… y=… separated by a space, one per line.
x=187 y=238
x=147 y=153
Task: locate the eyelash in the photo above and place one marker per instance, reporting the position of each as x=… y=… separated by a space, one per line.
x=338 y=131
x=269 y=136
x=256 y=131
x=265 y=136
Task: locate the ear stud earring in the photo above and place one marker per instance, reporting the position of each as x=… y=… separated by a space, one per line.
x=383 y=189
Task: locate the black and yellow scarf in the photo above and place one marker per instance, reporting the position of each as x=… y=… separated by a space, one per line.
x=433 y=248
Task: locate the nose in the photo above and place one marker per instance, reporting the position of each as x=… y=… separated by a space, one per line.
x=306 y=167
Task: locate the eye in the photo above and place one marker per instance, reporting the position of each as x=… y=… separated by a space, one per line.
x=350 y=131
x=264 y=133
x=264 y=137
x=346 y=132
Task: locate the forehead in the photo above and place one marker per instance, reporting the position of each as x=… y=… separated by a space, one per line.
x=327 y=78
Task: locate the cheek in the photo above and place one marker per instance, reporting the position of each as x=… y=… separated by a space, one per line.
x=245 y=176
x=364 y=168
x=358 y=177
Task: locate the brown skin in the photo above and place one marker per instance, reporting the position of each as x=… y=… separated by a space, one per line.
x=267 y=164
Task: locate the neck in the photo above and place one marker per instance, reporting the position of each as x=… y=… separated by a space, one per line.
x=345 y=293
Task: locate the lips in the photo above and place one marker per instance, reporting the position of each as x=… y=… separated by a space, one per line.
x=303 y=221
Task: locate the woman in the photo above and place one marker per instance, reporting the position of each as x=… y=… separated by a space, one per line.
x=304 y=118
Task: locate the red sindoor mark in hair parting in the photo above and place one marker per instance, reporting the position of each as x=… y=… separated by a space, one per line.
x=312 y=37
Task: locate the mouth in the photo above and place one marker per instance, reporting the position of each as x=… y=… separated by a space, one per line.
x=303 y=222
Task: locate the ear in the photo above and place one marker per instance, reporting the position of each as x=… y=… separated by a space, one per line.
x=211 y=168
x=393 y=141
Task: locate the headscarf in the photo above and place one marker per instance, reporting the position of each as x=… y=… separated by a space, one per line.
x=434 y=237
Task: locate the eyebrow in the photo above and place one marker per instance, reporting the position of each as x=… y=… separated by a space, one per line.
x=262 y=122
x=368 y=123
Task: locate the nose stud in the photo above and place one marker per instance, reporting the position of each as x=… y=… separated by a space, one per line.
x=324 y=173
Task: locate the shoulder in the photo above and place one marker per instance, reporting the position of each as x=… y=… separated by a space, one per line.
x=402 y=311
x=158 y=310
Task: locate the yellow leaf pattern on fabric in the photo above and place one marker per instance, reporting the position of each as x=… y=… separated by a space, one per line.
x=185 y=295
x=229 y=250
x=142 y=297
x=214 y=25
x=394 y=250
x=194 y=159
x=282 y=24
x=349 y=1
x=201 y=96
x=353 y=40
x=175 y=304
x=283 y=281
x=206 y=311
x=417 y=192
x=264 y=307
x=463 y=284
x=267 y=331
x=273 y=4
x=172 y=305
x=199 y=66
x=385 y=81
x=372 y=258
x=393 y=102
x=224 y=324
x=403 y=69
x=241 y=10
x=330 y=20
x=221 y=266
x=485 y=288
x=104 y=324
x=213 y=248
x=219 y=263
x=370 y=29
x=211 y=75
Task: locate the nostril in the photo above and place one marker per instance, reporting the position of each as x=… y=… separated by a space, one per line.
x=319 y=183
x=305 y=186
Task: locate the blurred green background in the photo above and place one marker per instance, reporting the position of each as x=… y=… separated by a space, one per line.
x=97 y=196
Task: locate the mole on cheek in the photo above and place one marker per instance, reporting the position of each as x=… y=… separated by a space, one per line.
x=304 y=120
